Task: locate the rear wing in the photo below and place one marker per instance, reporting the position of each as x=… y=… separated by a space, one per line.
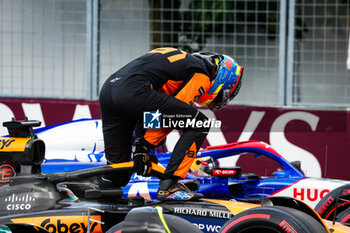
x=21 y=129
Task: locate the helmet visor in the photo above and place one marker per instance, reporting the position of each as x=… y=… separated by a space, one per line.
x=225 y=96
x=220 y=101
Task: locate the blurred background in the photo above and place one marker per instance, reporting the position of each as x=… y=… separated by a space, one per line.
x=56 y=54
x=294 y=52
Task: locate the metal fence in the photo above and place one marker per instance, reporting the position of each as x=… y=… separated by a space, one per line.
x=43 y=47
x=67 y=48
x=318 y=50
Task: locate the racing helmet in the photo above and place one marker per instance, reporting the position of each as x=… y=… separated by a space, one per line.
x=227 y=80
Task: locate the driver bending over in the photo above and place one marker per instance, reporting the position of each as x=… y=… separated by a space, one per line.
x=169 y=81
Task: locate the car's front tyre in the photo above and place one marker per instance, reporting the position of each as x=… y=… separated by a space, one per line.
x=272 y=219
x=334 y=202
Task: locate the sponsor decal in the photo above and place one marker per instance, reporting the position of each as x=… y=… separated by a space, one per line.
x=190 y=153
x=207 y=227
x=287 y=227
x=115 y=79
x=311 y=194
x=19 y=202
x=64 y=224
x=201 y=91
x=13 y=144
x=346 y=192
x=226 y=172
x=309 y=190
x=325 y=205
x=6 y=172
x=203 y=212
x=5 y=143
x=191 y=211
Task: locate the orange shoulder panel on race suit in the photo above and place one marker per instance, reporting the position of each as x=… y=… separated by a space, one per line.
x=195 y=88
x=171 y=87
x=198 y=84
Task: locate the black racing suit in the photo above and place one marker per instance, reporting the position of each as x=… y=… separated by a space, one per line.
x=165 y=79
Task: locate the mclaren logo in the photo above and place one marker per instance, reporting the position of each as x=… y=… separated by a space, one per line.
x=63 y=224
x=6 y=172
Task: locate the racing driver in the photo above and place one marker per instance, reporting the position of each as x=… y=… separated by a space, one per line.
x=165 y=81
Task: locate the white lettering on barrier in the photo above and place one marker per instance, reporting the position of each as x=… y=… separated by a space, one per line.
x=253 y=121
x=215 y=137
x=309 y=164
x=33 y=112
x=278 y=141
x=81 y=111
x=6 y=115
x=218 y=138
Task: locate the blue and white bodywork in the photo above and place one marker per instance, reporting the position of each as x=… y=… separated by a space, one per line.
x=72 y=145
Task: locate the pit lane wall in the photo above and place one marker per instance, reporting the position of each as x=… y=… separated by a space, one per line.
x=318 y=138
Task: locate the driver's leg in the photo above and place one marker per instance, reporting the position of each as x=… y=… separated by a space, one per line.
x=117 y=134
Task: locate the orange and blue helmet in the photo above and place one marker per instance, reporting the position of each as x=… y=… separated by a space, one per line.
x=227 y=80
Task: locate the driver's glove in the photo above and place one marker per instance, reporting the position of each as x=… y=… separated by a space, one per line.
x=142 y=158
x=142 y=163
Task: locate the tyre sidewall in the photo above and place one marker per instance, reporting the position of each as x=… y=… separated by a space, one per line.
x=175 y=224
x=276 y=218
x=326 y=207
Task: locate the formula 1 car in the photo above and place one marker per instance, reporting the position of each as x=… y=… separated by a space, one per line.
x=215 y=181
x=71 y=201
x=79 y=144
